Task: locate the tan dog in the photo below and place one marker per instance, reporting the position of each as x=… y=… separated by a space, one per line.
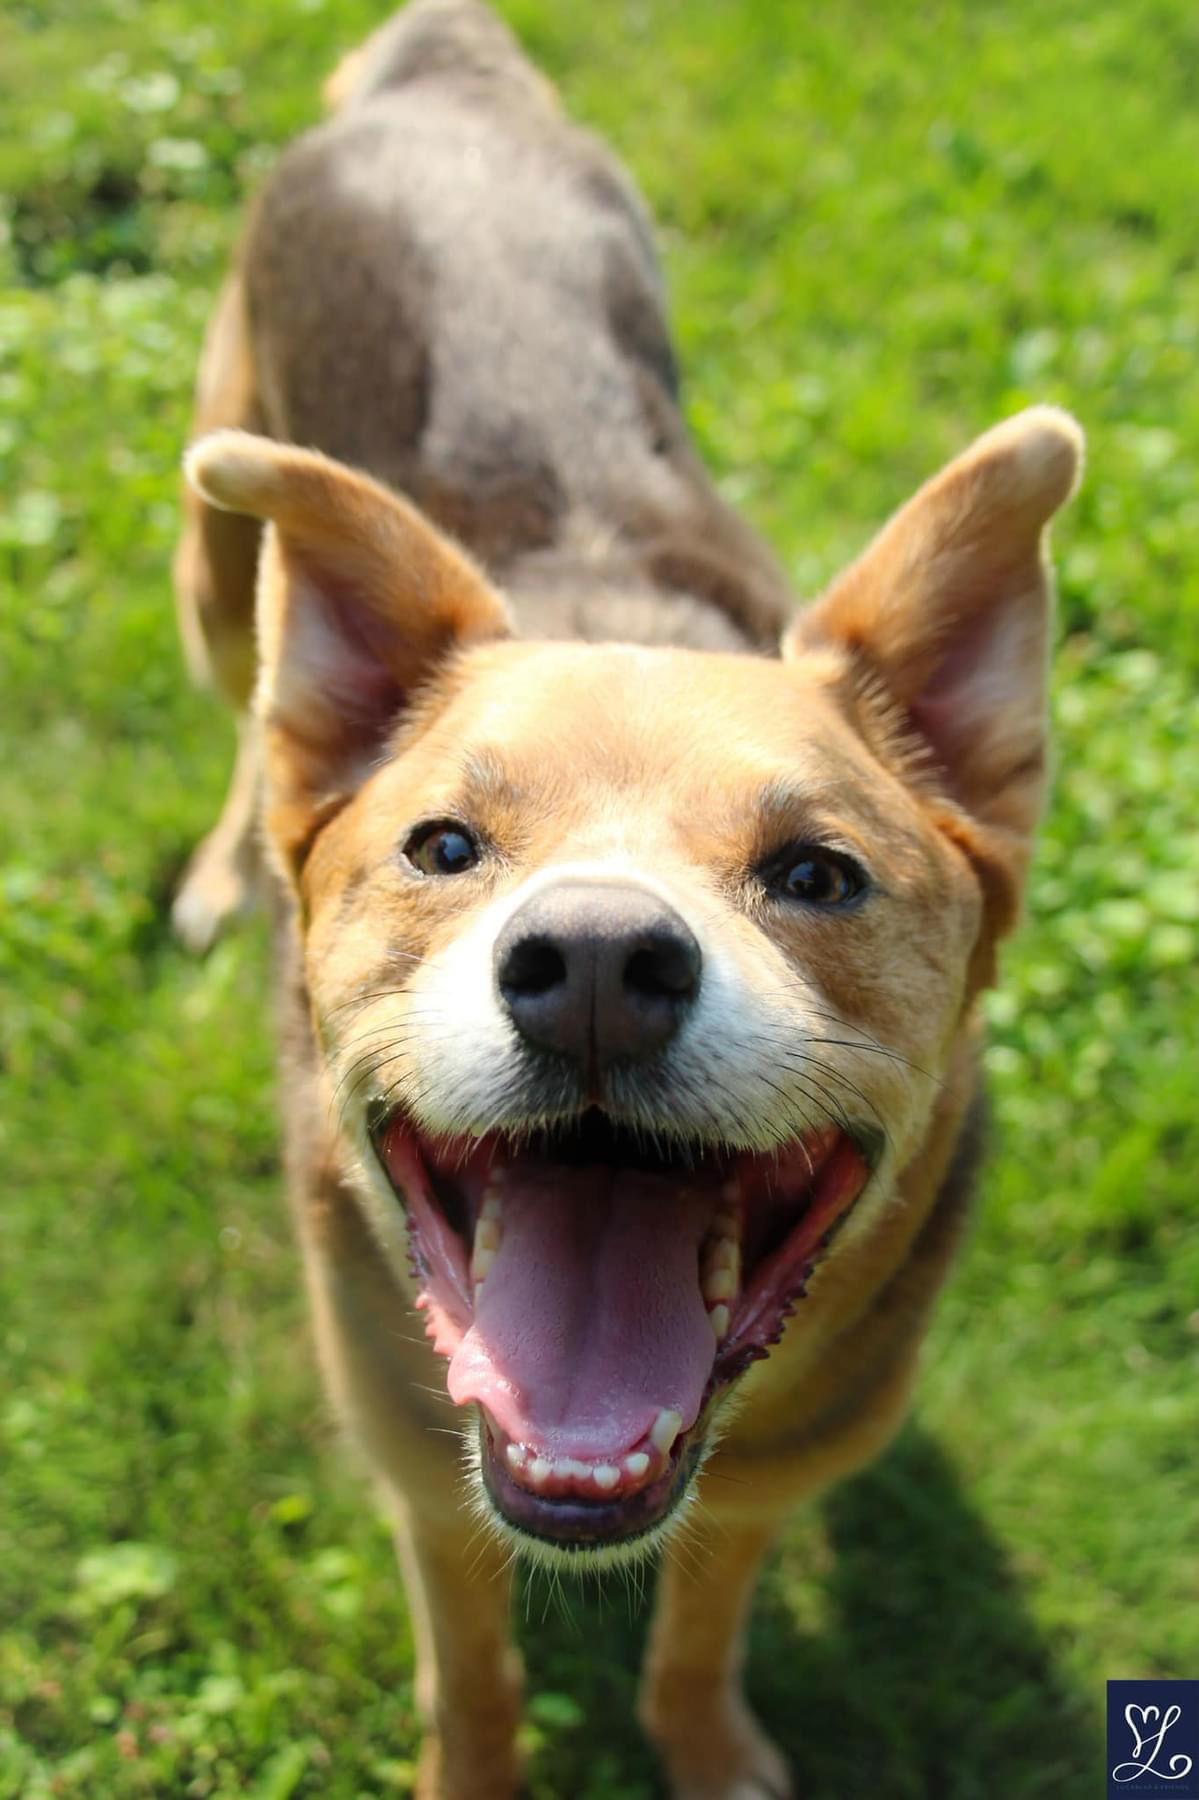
x=631 y=1084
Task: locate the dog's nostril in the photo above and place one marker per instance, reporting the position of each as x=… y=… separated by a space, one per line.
x=666 y=968
x=596 y=972
x=533 y=966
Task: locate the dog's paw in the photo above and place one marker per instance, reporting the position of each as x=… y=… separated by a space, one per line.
x=440 y=1777
x=749 y=1789
x=766 y=1779
x=718 y=1752
x=215 y=891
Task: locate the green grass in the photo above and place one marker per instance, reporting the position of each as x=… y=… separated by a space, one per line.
x=885 y=227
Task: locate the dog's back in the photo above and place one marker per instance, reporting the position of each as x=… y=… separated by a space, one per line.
x=483 y=328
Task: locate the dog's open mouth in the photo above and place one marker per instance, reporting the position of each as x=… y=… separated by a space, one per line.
x=593 y=1295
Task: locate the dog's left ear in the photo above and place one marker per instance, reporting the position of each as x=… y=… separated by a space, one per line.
x=360 y=599
x=949 y=609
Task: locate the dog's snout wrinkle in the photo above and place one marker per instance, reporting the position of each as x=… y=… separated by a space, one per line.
x=597 y=973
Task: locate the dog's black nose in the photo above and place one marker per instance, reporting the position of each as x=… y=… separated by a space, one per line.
x=597 y=973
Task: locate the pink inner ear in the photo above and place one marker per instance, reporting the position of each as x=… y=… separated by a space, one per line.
x=984 y=695
x=342 y=654
x=941 y=710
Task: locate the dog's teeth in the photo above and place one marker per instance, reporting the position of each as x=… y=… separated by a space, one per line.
x=665 y=1430
x=719 y=1319
x=480 y=1263
x=492 y=1204
x=721 y=1284
x=541 y=1472
x=487 y=1233
x=721 y=1275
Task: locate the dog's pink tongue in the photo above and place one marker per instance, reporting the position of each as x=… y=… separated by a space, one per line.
x=591 y=1318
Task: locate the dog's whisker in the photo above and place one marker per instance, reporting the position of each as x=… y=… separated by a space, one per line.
x=375 y=994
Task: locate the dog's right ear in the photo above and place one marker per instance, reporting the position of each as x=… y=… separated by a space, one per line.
x=359 y=600
x=946 y=615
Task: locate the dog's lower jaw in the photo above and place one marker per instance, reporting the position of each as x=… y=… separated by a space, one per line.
x=587 y=1536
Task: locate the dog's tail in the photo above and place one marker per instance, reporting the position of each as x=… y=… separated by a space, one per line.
x=434 y=37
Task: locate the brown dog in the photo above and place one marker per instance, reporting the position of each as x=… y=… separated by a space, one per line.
x=633 y=984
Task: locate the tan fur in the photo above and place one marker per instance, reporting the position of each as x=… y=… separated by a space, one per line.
x=904 y=722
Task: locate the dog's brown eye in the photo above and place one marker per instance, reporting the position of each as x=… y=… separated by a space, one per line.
x=817 y=876
x=442 y=849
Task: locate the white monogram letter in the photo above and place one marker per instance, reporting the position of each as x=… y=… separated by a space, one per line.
x=1141 y=1741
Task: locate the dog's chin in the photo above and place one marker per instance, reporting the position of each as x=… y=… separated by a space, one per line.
x=596 y=1298
x=578 y=1531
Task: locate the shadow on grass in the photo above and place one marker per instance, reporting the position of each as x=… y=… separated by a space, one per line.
x=927 y=1679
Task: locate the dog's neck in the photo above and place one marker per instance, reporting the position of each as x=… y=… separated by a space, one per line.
x=694 y=575
x=666 y=593
x=594 y=605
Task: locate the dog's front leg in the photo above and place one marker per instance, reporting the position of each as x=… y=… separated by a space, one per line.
x=380 y=1372
x=468 y=1676
x=692 y=1705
